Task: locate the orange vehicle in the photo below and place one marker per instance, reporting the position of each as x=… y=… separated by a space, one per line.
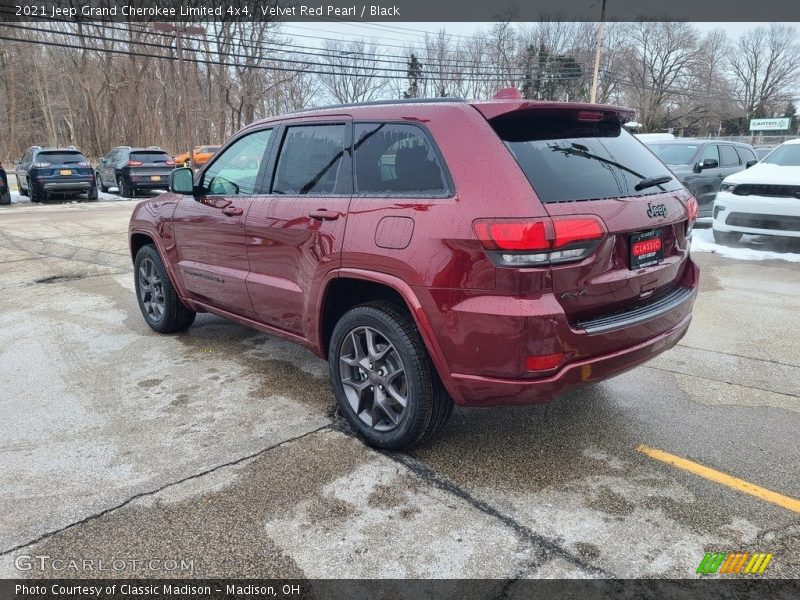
x=202 y=154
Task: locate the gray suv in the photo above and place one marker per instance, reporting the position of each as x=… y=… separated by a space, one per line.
x=701 y=165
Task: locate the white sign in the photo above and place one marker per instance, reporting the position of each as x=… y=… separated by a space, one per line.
x=769 y=124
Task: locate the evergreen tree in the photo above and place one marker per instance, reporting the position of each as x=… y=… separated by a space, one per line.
x=414 y=74
x=791 y=113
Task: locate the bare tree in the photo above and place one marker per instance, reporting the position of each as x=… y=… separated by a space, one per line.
x=350 y=75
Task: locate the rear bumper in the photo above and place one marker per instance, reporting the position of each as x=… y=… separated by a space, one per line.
x=484 y=340
x=67 y=186
x=757 y=215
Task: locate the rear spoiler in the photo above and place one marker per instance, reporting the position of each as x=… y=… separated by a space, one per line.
x=580 y=111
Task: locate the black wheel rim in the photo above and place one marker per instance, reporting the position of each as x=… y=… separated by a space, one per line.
x=374 y=378
x=151 y=290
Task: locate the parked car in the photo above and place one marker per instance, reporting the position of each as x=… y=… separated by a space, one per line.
x=764 y=200
x=132 y=170
x=701 y=165
x=201 y=155
x=5 y=191
x=495 y=252
x=45 y=172
x=762 y=151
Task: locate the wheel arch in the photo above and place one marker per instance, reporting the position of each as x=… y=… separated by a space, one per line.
x=348 y=288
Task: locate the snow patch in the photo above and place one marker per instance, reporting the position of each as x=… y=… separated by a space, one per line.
x=703 y=241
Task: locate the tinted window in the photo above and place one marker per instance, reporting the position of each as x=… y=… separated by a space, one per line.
x=393 y=159
x=310 y=160
x=61 y=158
x=151 y=157
x=235 y=171
x=787 y=155
x=566 y=160
x=674 y=154
x=745 y=154
x=729 y=156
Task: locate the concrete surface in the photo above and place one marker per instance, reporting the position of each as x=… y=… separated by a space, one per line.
x=220 y=447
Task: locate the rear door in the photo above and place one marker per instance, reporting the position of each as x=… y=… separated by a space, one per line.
x=294 y=235
x=581 y=163
x=210 y=227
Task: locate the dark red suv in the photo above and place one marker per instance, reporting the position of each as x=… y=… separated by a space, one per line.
x=434 y=252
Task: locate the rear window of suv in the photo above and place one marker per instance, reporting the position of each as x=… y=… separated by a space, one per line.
x=61 y=158
x=151 y=157
x=566 y=161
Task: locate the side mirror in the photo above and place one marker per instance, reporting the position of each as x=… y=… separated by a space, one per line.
x=750 y=163
x=181 y=181
x=708 y=163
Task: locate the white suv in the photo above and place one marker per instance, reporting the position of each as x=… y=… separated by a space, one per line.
x=763 y=200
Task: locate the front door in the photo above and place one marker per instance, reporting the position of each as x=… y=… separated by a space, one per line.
x=210 y=227
x=295 y=233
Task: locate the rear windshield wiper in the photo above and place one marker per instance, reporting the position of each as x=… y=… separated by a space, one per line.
x=648 y=182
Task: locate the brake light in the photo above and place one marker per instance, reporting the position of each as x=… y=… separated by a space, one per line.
x=511 y=243
x=170 y=163
x=593 y=116
x=691 y=213
x=135 y=163
x=42 y=165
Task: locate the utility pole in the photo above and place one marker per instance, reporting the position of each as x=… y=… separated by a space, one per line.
x=180 y=31
x=600 y=32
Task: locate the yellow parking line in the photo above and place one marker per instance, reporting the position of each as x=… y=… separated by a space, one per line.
x=741 y=485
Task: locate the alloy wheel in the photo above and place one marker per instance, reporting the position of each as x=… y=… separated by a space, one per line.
x=374 y=378
x=151 y=290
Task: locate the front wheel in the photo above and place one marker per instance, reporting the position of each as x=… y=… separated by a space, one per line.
x=161 y=307
x=99 y=184
x=727 y=238
x=383 y=379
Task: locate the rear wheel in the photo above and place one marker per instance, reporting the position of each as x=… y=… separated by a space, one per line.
x=5 y=197
x=35 y=194
x=124 y=189
x=727 y=238
x=161 y=307
x=383 y=379
x=92 y=193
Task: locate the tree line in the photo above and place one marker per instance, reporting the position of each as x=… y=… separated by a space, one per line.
x=101 y=85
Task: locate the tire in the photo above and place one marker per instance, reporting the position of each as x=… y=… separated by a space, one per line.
x=92 y=193
x=5 y=198
x=727 y=238
x=161 y=307
x=99 y=184
x=124 y=190
x=36 y=195
x=22 y=192
x=396 y=347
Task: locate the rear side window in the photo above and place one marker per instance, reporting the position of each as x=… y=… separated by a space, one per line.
x=310 y=160
x=567 y=160
x=729 y=156
x=746 y=154
x=61 y=158
x=151 y=157
x=394 y=159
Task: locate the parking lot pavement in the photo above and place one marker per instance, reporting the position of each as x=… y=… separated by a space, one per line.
x=221 y=446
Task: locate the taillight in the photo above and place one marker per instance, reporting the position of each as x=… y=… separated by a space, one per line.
x=42 y=165
x=170 y=163
x=514 y=243
x=135 y=163
x=691 y=213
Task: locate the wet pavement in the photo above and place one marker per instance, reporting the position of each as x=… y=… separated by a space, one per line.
x=220 y=447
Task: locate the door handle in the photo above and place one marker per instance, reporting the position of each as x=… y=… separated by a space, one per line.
x=322 y=214
x=232 y=211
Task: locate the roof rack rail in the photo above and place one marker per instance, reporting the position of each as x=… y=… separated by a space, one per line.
x=385 y=102
x=153 y=148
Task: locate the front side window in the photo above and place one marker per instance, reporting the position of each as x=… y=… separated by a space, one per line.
x=710 y=152
x=396 y=160
x=729 y=156
x=310 y=160
x=235 y=171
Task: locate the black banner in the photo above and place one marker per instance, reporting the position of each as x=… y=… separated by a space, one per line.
x=753 y=588
x=397 y=10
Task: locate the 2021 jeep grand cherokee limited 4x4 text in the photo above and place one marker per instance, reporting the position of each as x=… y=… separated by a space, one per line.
x=480 y=253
